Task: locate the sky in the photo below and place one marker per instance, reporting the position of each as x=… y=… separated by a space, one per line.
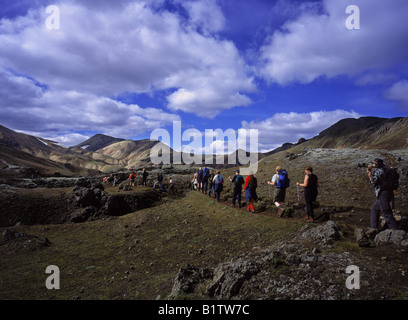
x=288 y=68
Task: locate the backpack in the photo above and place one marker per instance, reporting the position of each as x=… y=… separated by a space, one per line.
x=283 y=181
x=220 y=179
x=253 y=183
x=390 y=179
x=239 y=181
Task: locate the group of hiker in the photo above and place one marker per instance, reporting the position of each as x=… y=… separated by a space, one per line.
x=208 y=181
x=158 y=182
x=384 y=179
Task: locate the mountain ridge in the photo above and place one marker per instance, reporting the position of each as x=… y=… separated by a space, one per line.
x=108 y=154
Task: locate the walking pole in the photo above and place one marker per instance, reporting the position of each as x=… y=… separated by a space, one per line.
x=269 y=190
x=298 y=194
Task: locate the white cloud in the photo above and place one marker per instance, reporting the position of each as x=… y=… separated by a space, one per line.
x=399 y=92
x=130 y=48
x=316 y=44
x=206 y=15
x=290 y=127
x=27 y=107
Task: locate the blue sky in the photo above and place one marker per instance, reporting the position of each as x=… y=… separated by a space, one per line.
x=287 y=68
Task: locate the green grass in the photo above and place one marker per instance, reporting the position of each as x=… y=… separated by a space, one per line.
x=135 y=256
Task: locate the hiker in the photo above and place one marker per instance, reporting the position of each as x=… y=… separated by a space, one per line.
x=382 y=179
x=281 y=181
x=251 y=184
x=132 y=178
x=218 y=185
x=115 y=181
x=194 y=182
x=310 y=185
x=170 y=188
x=144 y=177
x=238 y=181
x=159 y=180
x=211 y=183
x=206 y=176
x=200 y=178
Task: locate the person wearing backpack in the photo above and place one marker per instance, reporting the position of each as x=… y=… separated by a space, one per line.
x=238 y=181
x=310 y=184
x=159 y=180
x=206 y=175
x=281 y=181
x=251 y=183
x=211 y=183
x=200 y=179
x=385 y=182
x=144 y=177
x=132 y=178
x=218 y=185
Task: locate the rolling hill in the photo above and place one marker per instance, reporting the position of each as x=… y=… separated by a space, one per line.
x=108 y=154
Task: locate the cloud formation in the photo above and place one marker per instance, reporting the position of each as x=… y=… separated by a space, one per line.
x=399 y=93
x=318 y=44
x=29 y=107
x=290 y=127
x=130 y=48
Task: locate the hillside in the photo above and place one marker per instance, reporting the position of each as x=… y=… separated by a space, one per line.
x=108 y=154
x=97 y=142
x=35 y=146
x=363 y=133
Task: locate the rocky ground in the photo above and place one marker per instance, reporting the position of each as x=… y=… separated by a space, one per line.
x=189 y=246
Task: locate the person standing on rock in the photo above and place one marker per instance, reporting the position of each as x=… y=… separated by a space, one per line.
x=281 y=181
x=310 y=184
x=379 y=175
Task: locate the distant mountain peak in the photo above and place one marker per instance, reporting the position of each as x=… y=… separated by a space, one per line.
x=98 y=141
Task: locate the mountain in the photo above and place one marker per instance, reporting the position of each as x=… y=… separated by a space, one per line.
x=364 y=133
x=108 y=154
x=97 y=142
x=30 y=144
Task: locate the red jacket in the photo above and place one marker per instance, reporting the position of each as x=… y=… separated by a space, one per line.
x=247 y=181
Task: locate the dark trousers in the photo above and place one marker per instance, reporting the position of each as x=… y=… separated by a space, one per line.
x=382 y=205
x=237 y=196
x=205 y=185
x=211 y=189
x=217 y=194
x=310 y=197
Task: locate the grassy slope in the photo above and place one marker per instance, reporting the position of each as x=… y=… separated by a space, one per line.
x=134 y=256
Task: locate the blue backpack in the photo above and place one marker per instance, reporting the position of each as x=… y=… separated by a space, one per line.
x=283 y=181
x=206 y=172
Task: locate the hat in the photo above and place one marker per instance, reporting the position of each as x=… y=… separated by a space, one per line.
x=378 y=161
x=237 y=171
